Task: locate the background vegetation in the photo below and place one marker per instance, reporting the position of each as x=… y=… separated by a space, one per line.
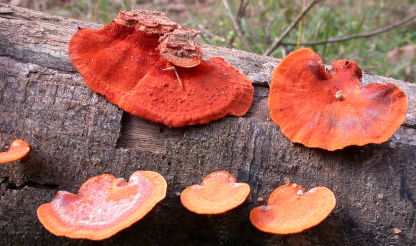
x=261 y=22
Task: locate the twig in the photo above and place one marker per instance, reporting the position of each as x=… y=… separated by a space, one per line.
x=299 y=34
x=236 y=26
x=300 y=28
x=177 y=75
x=363 y=35
x=277 y=41
x=240 y=13
x=207 y=34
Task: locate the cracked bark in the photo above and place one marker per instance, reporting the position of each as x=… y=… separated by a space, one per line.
x=76 y=134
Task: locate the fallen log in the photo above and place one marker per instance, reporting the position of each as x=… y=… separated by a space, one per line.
x=75 y=134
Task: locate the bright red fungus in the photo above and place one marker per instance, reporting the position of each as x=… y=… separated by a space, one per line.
x=151 y=67
x=104 y=205
x=331 y=109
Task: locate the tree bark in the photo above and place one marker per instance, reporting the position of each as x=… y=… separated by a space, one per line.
x=76 y=134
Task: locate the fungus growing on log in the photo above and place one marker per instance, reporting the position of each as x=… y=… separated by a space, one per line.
x=291 y=209
x=331 y=109
x=104 y=205
x=151 y=67
x=218 y=193
x=18 y=149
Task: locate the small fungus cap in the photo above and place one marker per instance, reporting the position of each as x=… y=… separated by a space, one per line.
x=151 y=67
x=291 y=209
x=331 y=109
x=180 y=48
x=104 y=205
x=18 y=150
x=218 y=193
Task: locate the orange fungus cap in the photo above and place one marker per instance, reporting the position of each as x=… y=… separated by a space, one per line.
x=331 y=109
x=104 y=205
x=291 y=209
x=218 y=193
x=18 y=150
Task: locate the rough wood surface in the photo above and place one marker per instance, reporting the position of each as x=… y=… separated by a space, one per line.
x=76 y=134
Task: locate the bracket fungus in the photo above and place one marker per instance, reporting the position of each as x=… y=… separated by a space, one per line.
x=291 y=209
x=151 y=67
x=218 y=193
x=104 y=205
x=18 y=150
x=331 y=109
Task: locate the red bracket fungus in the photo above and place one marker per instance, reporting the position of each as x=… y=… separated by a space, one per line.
x=331 y=109
x=18 y=150
x=291 y=209
x=218 y=193
x=104 y=205
x=151 y=67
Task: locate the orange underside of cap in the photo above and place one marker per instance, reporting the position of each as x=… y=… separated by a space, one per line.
x=291 y=209
x=18 y=150
x=331 y=109
x=217 y=194
x=104 y=205
x=123 y=64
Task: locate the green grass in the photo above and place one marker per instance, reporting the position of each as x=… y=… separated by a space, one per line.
x=265 y=20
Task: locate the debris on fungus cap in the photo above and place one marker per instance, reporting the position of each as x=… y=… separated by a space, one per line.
x=291 y=209
x=151 y=67
x=150 y=22
x=18 y=149
x=218 y=193
x=104 y=205
x=180 y=48
x=331 y=109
